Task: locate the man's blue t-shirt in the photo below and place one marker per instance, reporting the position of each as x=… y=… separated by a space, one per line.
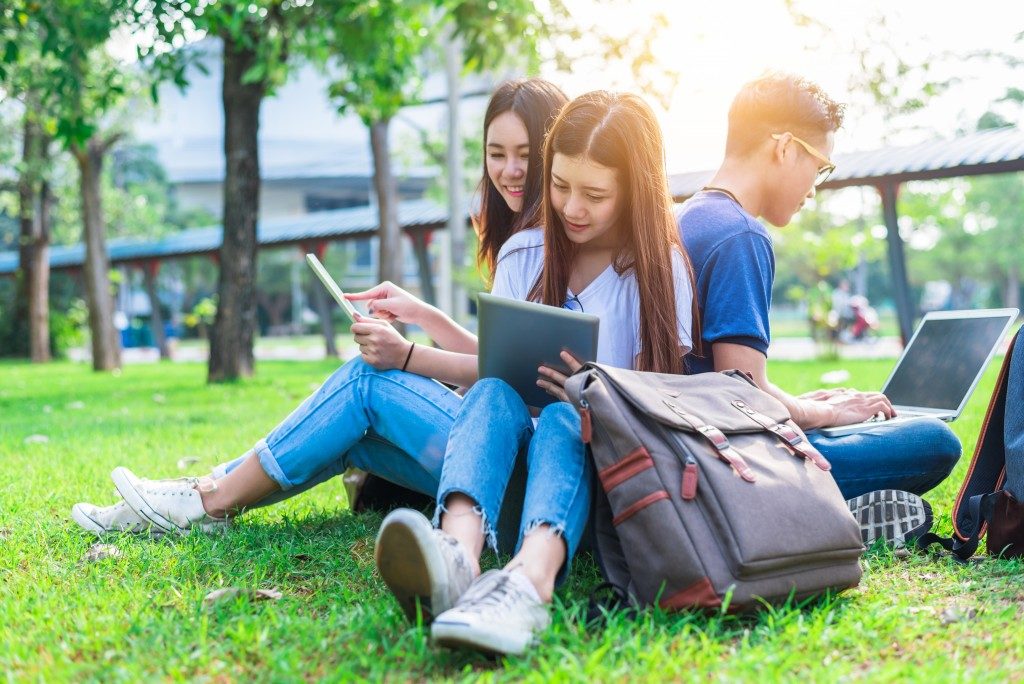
x=734 y=265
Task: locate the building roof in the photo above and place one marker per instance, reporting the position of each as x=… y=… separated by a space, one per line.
x=993 y=151
x=997 y=150
x=322 y=225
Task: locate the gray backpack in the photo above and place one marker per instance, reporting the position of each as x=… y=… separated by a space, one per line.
x=711 y=494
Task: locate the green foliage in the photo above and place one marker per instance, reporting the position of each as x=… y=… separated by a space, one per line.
x=137 y=198
x=377 y=49
x=202 y=313
x=821 y=244
x=267 y=27
x=67 y=330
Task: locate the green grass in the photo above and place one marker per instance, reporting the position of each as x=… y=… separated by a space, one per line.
x=140 y=616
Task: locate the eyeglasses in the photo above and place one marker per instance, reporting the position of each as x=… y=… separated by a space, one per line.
x=825 y=171
x=573 y=304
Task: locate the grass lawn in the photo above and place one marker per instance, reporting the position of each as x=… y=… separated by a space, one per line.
x=140 y=616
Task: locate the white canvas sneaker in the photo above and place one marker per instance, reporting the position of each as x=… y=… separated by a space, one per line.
x=418 y=562
x=108 y=519
x=500 y=613
x=170 y=505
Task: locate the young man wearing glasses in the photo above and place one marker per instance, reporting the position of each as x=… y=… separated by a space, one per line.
x=780 y=140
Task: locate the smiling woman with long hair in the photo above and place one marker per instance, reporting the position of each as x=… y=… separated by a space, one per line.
x=382 y=412
x=609 y=246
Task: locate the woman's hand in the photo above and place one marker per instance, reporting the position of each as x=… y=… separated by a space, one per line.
x=552 y=381
x=388 y=302
x=380 y=345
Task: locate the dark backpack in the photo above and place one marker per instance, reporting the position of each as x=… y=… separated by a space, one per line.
x=990 y=499
x=709 y=493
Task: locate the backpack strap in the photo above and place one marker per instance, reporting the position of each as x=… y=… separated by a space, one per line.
x=788 y=434
x=980 y=509
x=717 y=439
x=988 y=465
x=976 y=501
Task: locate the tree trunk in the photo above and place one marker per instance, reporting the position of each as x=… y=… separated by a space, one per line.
x=150 y=269
x=106 y=349
x=32 y=304
x=27 y=199
x=231 y=341
x=453 y=62
x=421 y=248
x=1012 y=298
x=390 y=266
x=39 y=283
x=323 y=310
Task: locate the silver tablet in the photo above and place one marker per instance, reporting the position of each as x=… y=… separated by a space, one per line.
x=516 y=337
x=331 y=286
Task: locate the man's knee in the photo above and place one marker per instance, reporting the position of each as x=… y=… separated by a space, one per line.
x=943 y=446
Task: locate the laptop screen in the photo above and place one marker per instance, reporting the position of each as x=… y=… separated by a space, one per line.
x=943 y=361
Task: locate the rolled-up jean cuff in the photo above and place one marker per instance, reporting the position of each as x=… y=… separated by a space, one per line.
x=270 y=466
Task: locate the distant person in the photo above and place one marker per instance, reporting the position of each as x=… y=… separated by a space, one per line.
x=865 y=318
x=842 y=312
x=383 y=412
x=780 y=139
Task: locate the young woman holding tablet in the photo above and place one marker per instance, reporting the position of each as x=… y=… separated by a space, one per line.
x=381 y=412
x=609 y=246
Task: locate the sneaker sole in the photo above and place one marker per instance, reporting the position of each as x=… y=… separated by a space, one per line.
x=459 y=635
x=896 y=516
x=90 y=524
x=124 y=482
x=410 y=563
x=79 y=515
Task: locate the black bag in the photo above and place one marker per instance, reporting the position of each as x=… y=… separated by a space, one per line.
x=991 y=499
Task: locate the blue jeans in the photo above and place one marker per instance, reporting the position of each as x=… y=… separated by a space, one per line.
x=914 y=457
x=492 y=428
x=390 y=423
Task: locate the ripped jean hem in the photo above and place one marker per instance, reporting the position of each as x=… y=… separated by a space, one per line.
x=554 y=529
x=490 y=536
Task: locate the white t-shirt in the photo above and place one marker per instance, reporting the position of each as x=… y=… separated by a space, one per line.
x=614 y=298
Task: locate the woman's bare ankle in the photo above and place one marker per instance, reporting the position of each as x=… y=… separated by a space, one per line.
x=208 y=491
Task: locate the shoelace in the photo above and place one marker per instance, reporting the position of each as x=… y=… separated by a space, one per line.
x=502 y=594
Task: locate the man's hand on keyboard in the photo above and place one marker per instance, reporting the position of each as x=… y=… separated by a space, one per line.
x=852 y=406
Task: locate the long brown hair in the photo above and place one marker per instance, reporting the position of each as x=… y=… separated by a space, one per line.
x=536 y=103
x=619 y=131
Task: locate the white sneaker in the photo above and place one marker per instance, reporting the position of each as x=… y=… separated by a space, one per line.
x=170 y=505
x=116 y=518
x=500 y=613
x=418 y=562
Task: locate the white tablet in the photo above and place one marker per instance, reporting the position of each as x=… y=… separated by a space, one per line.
x=516 y=337
x=331 y=286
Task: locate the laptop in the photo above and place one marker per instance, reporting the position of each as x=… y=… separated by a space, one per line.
x=940 y=367
x=516 y=337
